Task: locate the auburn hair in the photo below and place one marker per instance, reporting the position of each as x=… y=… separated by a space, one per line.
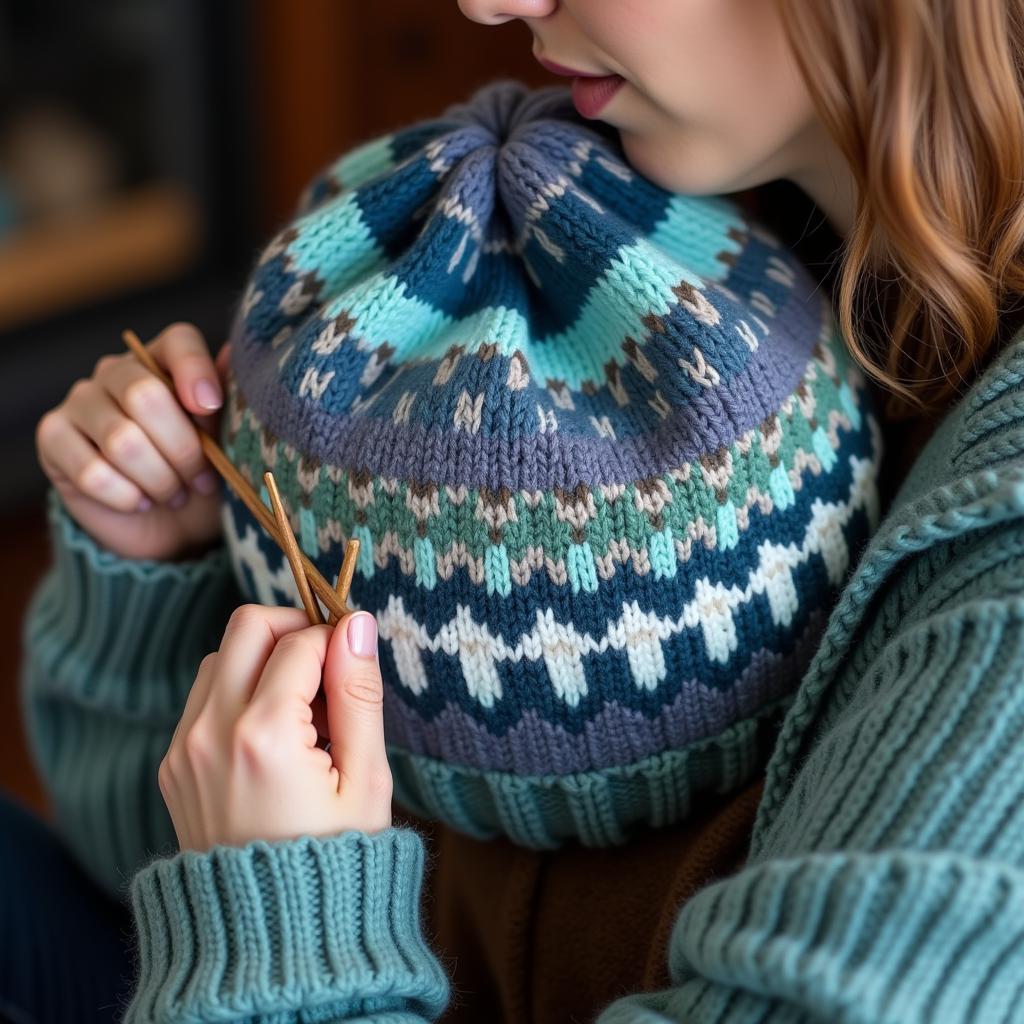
x=925 y=98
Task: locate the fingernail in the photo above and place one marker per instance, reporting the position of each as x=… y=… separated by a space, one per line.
x=206 y=482
x=362 y=635
x=143 y=504
x=207 y=394
x=179 y=499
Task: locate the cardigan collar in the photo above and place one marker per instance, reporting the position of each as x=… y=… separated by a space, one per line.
x=968 y=477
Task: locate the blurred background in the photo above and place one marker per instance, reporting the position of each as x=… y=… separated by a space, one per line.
x=147 y=149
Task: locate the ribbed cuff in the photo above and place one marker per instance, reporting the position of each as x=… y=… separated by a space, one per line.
x=107 y=627
x=329 y=926
x=880 y=937
x=597 y=808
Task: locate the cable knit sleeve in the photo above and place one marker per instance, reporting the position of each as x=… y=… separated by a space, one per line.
x=111 y=649
x=886 y=876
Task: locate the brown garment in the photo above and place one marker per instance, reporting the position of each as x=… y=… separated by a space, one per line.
x=553 y=936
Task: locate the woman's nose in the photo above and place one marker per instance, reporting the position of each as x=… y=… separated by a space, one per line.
x=497 y=12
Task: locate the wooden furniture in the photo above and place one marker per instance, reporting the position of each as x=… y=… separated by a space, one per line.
x=139 y=237
x=341 y=72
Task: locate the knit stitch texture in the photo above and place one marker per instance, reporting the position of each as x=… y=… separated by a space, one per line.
x=885 y=883
x=601 y=444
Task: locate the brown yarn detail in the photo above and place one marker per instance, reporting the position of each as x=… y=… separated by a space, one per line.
x=555 y=936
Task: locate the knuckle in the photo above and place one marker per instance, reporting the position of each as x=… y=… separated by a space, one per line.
x=93 y=476
x=79 y=389
x=144 y=396
x=105 y=364
x=253 y=741
x=246 y=617
x=48 y=424
x=124 y=441
x=197 y=746
x=180 y=326
x=164 y=775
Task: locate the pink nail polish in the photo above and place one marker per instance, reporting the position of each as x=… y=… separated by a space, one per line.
x=144 y=503
x=206 y=482
x=179 y=499
x=362 y=635
x=207 y=394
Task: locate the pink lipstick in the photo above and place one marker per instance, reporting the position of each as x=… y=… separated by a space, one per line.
x=590 y=95
x=590 y=92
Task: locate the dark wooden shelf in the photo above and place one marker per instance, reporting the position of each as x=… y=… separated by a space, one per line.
x=137 y=238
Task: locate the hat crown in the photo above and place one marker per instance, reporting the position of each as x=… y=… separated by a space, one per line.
x=507 y=109
x=501 y=269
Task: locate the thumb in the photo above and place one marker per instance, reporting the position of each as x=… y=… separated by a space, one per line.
x=355 y=697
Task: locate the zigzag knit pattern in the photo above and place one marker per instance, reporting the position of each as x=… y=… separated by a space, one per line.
x=601 y=444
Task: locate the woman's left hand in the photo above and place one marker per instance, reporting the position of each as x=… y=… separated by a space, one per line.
x=244 y=762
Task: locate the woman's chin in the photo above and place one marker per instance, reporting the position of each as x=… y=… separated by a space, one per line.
x=680 y=166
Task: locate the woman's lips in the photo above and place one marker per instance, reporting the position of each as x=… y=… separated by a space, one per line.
x=589 y=95
x=561 y=69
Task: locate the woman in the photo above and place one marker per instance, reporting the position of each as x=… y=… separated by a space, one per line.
x=882 y=877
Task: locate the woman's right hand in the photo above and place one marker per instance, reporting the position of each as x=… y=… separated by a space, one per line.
x=126 y=459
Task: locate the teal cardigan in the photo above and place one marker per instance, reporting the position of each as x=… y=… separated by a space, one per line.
x=885 y=880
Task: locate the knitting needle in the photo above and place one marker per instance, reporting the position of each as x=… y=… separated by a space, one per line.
x=345 y=573
x=227 y=469
x=291 y=550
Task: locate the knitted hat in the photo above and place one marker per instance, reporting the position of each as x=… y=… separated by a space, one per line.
x=602 y=446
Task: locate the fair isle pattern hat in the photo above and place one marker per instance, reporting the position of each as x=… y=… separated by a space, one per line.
x=601 y=444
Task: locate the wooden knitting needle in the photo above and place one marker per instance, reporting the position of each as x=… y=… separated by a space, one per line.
x=291 y=550
x=345 y=573
x=226 y=468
